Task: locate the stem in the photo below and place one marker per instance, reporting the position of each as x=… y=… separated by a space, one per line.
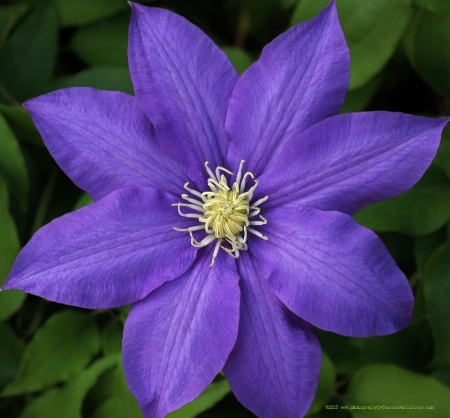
x=10 y=99
x=414 y=279
x=243 y=27
x=44 y=202
x=443 y=105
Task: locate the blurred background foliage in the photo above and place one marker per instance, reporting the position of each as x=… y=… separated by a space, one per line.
x=61 y=362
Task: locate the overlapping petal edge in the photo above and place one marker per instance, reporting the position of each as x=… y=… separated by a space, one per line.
x=133 y=156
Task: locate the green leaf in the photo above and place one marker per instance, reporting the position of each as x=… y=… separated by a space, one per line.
x=308 y=9
x=439 y=6
x=347 y=354
x=213 y=393
x=81 y=12
x=395 y=348
x=28 y=57
x=123 y=312
x=350 y=354
x=391 y=386
x=426 y=245
x=401 y=248
x=11 y=351
x=84 y=200
x=67 y=401
x=419 y=310
x=119 y=407
x=436 y=286
x=443 y=154
x=10 y=300
x=59 y=349
x=104 y=78
x=9 y=16
x=419 y=211
x=111 y=398
x=12 y=163
x=427 y=46
x=325 y=388
x=111 y=337
x=21 y=123
x=286 y=4
x=238 y=57
x=103 y=44
x=443 y=375
x=372 y=29
x=118 y=402
x=358 y=99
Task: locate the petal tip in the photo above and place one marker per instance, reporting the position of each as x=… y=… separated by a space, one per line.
x=331 y=9
x=139 y=10
x=444 y=120
x=29 y=105
x=11 y=281
x=135 y=7
x=4 y=287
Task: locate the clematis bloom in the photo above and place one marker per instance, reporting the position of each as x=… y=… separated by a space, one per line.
x=223 y=211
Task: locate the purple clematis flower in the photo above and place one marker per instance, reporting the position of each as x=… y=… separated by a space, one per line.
x=223 y=211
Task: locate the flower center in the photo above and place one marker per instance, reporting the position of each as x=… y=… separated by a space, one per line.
x=225 y=213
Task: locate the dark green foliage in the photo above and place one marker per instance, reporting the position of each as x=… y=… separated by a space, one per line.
x=61 y=362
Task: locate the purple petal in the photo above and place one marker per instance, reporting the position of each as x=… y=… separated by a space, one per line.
x=178 y=338
x=274 y=367
x=301 y=78
x=333 y=273
x=108 y=254
x=348 y=161
x=183 y=82
x=103 y=141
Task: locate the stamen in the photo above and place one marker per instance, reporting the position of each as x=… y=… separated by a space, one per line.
x=219 y=169
x=186 y=215
x=257 y=233
x=258 y=202
x=192 y=191
x=204 y=242
x=216 y=251
x=209 y=171
x=225 y=211
x=239 y=174
x=193 y=207
x=252 y=189
x=247 y=174
x=234 y=252
x=263 y=221
x=258 y=223
x=193 y=201
x=191 y=228
x=243 y=240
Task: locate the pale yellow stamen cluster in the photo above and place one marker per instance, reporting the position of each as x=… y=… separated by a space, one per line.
x=225 y=213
